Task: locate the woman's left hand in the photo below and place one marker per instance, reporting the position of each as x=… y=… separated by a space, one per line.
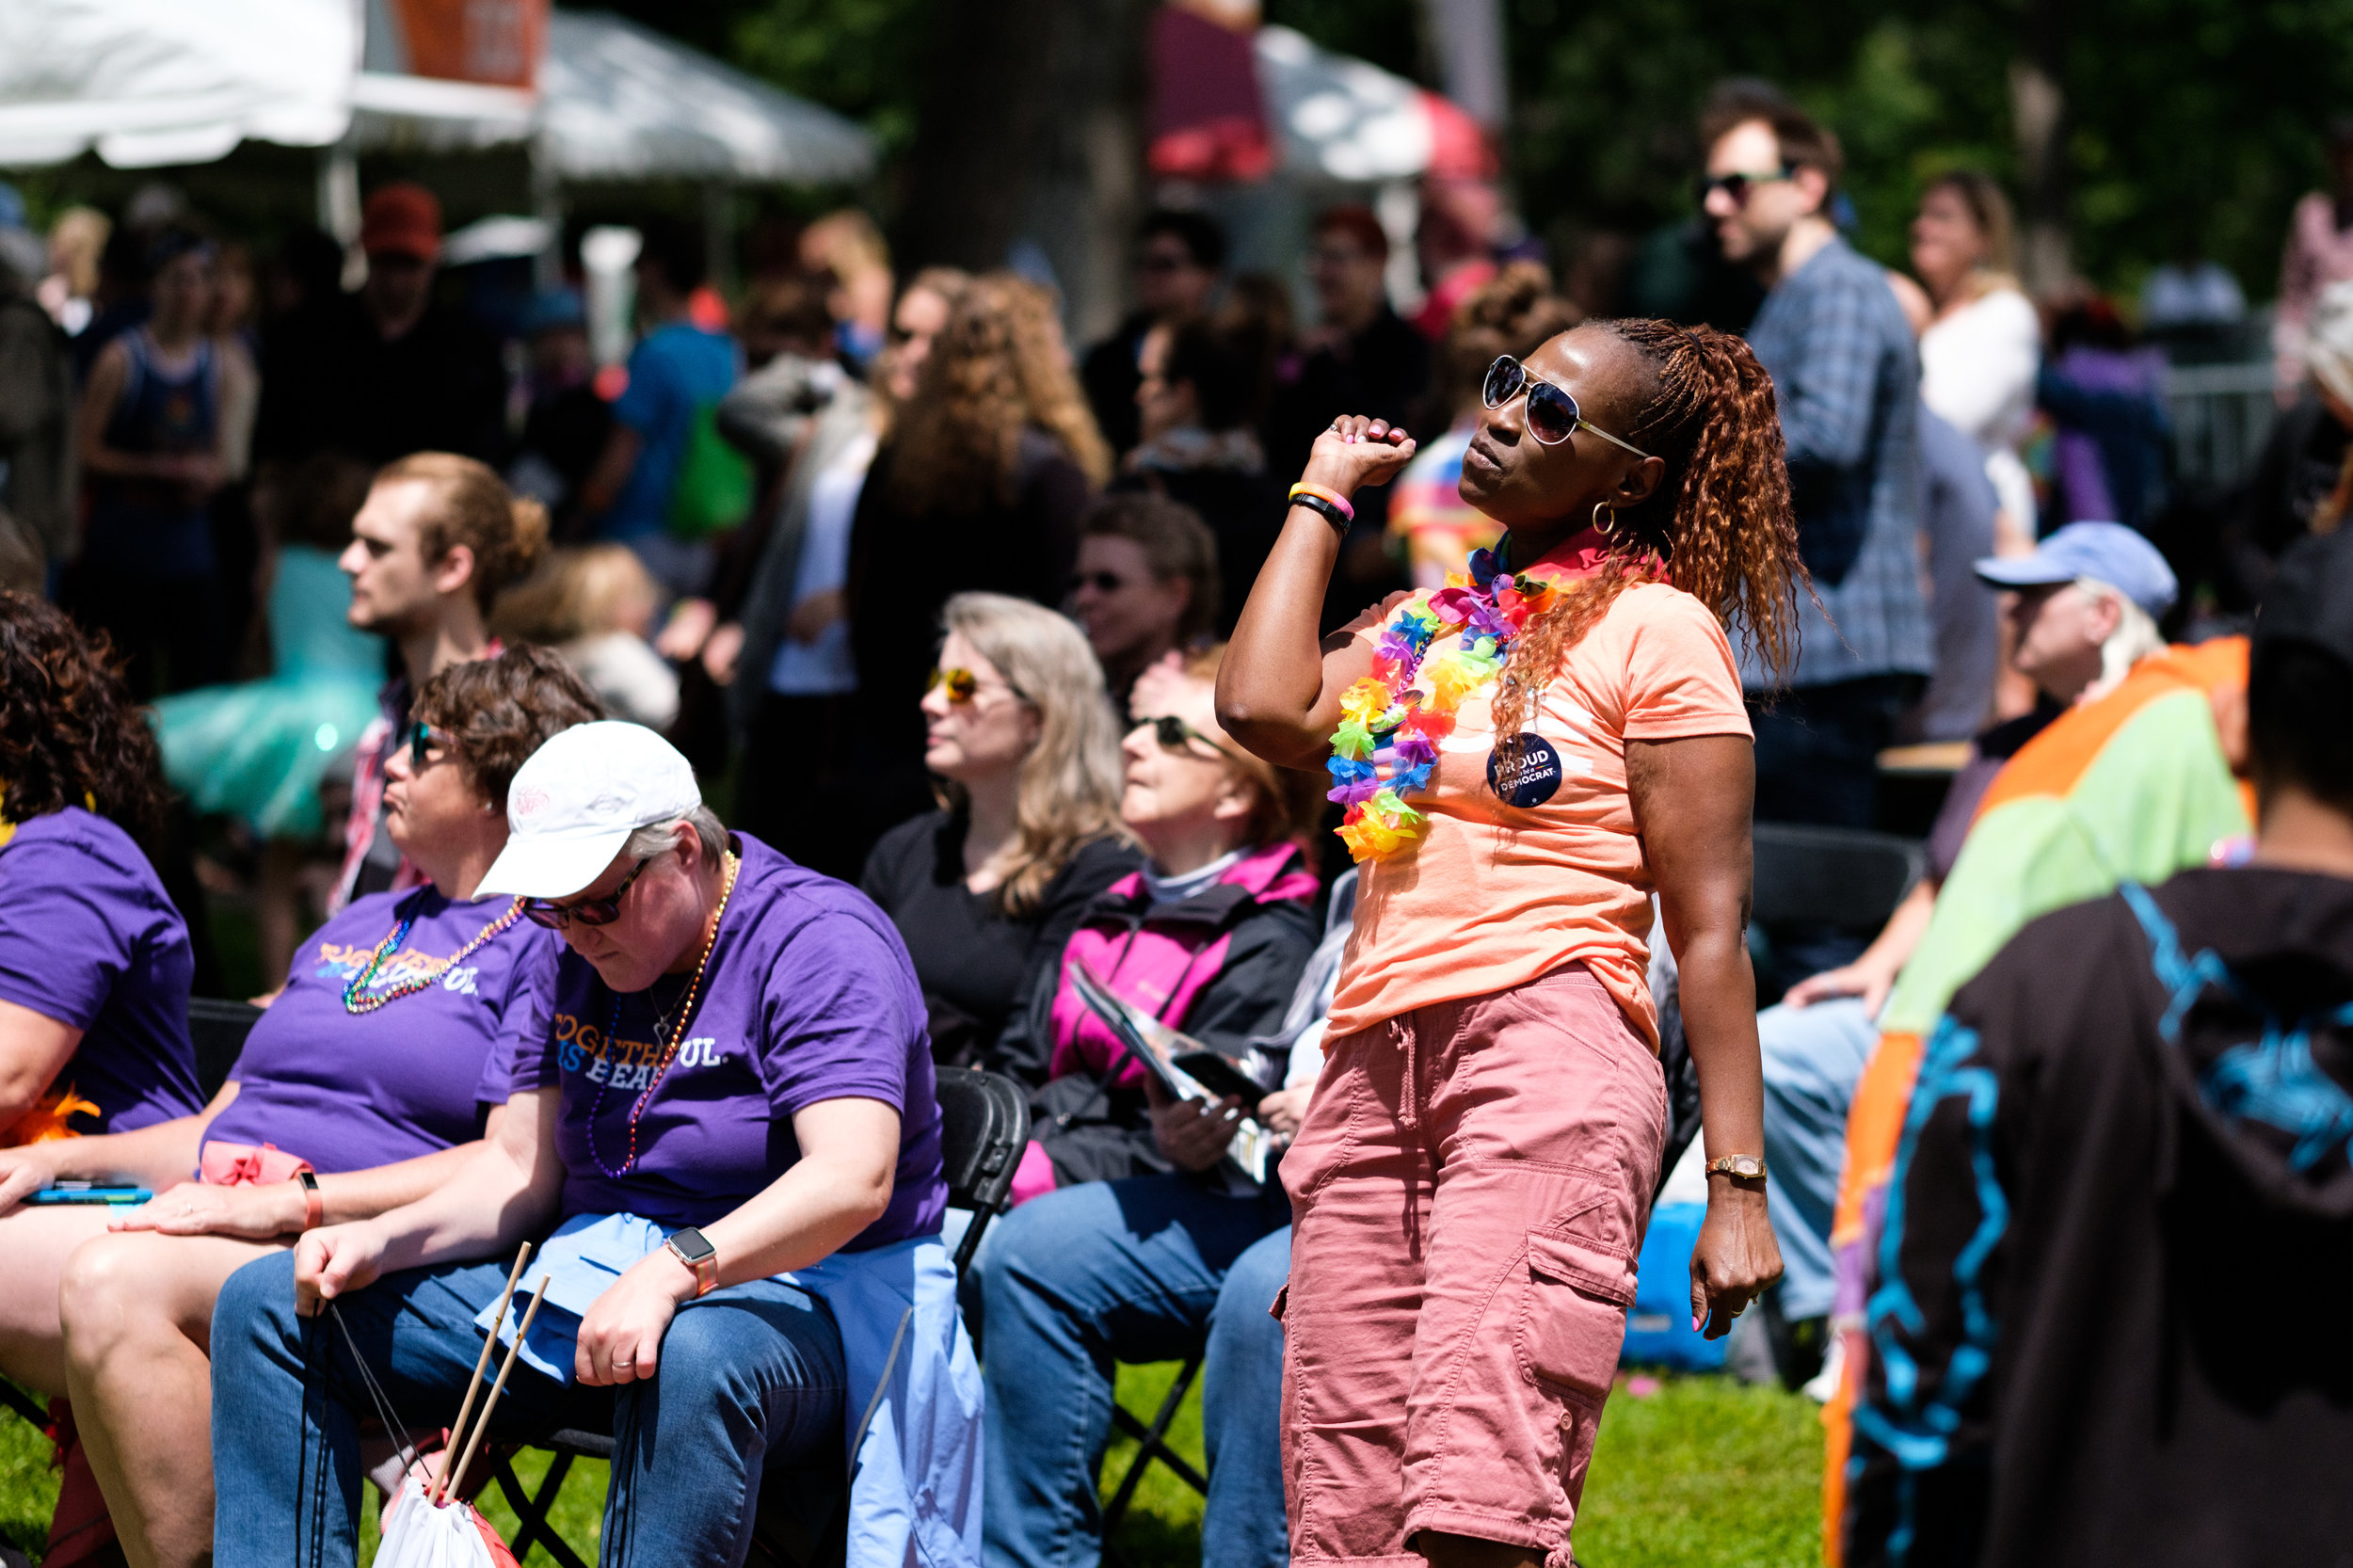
x=257 y=1212
x=1737 y=1257
x=620 y=1338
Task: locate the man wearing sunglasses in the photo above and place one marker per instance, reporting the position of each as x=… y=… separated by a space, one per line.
x=1846 y=380
x=1179 y=256
x=728 y=1120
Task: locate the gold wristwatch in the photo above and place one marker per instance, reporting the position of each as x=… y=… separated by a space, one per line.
x=1740 y=1167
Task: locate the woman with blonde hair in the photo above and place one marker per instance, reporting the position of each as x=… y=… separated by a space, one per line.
x=1021 y=745
x=594 y=605
x=980 y=486
x=1983 y=343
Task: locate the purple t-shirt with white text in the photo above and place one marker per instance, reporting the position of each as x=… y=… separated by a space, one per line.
x=350 y=1091
x=88 y=938
x=809 y=996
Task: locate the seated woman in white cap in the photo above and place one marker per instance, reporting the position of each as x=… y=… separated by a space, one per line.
x=732 y=1127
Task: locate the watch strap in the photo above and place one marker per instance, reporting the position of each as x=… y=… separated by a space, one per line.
x=314 y=1206
x=706 y=1267
x=1330 y=513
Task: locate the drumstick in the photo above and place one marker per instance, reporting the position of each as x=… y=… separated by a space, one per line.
x=496 y=1388
x=442 y=1483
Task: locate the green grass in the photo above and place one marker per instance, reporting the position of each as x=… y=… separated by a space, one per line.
x=1701 y=1474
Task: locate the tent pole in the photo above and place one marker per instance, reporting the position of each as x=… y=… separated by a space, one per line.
x=719 y=234
x=547 y=204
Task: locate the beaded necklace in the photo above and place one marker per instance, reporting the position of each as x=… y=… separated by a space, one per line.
x=1384 y=721
x=685 y=1016
x=357 y=1001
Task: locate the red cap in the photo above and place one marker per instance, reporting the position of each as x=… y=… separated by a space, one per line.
x=402 y=220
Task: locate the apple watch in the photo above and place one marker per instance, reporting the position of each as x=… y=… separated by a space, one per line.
x=690 y=1247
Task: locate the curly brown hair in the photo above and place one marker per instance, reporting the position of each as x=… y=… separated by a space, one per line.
x=498 y=712
x=69 y=732
x=1718 y=525
x=995 y=370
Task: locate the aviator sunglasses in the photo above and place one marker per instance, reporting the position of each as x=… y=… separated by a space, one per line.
x=963 y=685
x=587 y=911
x=1553 y=415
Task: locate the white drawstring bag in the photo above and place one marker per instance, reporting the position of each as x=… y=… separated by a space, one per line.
x=451 y=1535
x=432 y=1527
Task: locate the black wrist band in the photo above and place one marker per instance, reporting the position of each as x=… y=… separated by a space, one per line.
x=1333 y=515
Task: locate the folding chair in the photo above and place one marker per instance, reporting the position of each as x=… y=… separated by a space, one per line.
x=1834 y=876
x=984 y=1121
x=1152 y=1444
x=217 y=1029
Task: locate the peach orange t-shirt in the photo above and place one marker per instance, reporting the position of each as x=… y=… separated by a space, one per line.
x=1493 y=895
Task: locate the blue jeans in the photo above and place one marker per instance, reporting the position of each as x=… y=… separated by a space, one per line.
x=1813 y=1056
x=752 y=1374
x=1144 y=1269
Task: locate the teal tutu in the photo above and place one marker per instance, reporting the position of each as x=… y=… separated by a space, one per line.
x=258 y=751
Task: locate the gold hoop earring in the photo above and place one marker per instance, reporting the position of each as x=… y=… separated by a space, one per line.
x=1608 y=529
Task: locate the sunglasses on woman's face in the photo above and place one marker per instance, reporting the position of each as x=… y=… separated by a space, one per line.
x=1101 y=582
x=587 y=911
x=1174 y=732
x=1553 y=415
x=421 y=748
x=963 y=685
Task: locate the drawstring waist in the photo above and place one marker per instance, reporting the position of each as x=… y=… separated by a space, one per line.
x=1409 y=1101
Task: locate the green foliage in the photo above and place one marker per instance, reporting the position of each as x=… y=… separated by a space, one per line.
x=2191 y=120
x=864 y=58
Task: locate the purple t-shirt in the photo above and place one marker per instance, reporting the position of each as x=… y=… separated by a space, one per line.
x=809 y=996
x=88 y=938
x=418 y=1074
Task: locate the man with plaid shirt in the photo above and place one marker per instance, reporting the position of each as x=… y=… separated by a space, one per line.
x=1847 y=379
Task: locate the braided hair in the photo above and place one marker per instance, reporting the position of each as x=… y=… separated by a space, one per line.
x=1718 y=525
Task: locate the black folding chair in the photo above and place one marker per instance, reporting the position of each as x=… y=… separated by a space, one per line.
x=217 y=1029
x=1832 y=876
x=1151 y=1446
x=803 y=1520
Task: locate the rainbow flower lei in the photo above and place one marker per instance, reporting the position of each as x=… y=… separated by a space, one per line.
x=1434 y=653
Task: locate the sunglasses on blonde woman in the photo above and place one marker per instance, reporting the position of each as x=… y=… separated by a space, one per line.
x=963 y=685
x=1553 y=415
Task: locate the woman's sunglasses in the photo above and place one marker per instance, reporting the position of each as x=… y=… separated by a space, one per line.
x=587 y=911
x=1553 y=415
x=962 y=684
x=1173 y=732
x=421 y=748
x=1101 y=582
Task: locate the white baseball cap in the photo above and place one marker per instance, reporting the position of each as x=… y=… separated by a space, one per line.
x=575 y=803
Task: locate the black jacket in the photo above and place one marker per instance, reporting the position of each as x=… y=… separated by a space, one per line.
x=1251 y=932
x=2118 y=1236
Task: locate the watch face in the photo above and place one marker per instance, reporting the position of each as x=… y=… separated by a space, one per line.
x=689 y=1244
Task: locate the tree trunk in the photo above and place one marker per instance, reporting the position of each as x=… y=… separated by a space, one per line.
x=1031 y=134
x=2039 y=111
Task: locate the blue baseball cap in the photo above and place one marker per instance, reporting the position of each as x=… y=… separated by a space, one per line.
x=2106 y=551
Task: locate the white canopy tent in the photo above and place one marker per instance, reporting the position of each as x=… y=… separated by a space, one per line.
x=620 y=102
x=150 y=83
